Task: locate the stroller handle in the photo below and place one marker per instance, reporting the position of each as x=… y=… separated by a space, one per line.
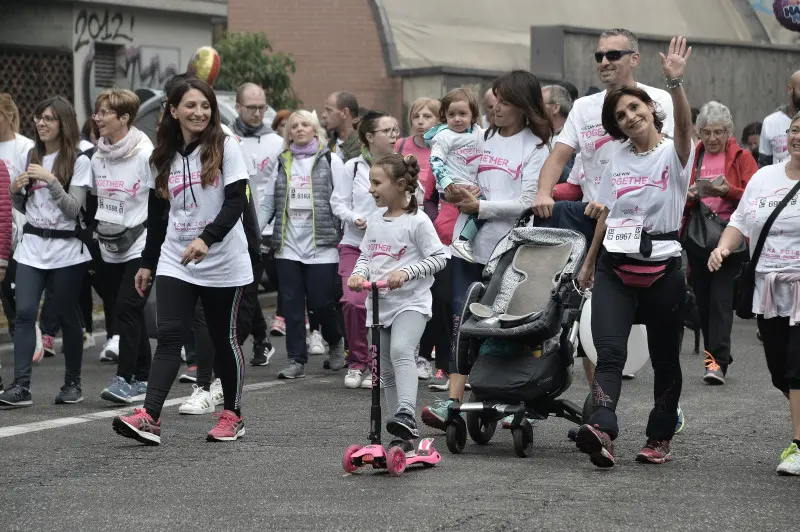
x=380 y=284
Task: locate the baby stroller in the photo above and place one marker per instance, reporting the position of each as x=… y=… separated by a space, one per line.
x=522 y=331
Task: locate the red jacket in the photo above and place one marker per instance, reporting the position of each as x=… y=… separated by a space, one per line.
x=5 y=216
x=739 y=168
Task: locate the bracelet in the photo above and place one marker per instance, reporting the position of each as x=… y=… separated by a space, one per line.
x=674 y=83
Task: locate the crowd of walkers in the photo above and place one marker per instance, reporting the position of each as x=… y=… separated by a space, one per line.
x=323 y=203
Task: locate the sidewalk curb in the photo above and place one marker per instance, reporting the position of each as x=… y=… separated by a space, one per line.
x=267 y=299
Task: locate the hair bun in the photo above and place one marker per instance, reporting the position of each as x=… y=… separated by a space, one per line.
x=412 y=165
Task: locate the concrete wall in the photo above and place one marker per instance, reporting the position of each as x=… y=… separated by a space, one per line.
x=27 y=24
x=749 y=78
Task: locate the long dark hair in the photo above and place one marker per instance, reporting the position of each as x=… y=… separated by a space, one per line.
x=609 y=115
x=521 y=89
x=169 y=139
x=399 y=167
x=368 y=123
x=69 y=137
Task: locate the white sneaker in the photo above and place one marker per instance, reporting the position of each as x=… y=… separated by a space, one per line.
x=217 y=396
x=463 y=248
x=423 y=369
x=183 y=353
x=790 y=461
x=367 y=382
x=88 y=340
x=110 y=351
x=315 y=345
x=353 y=378
x=199 y=403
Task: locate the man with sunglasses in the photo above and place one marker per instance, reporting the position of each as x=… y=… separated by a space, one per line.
x=617 y=56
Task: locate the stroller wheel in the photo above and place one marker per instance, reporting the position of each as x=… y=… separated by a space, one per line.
x=456 y=435
x=523 y=439
x=480 y=428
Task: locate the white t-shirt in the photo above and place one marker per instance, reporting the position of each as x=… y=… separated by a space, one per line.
x=584 y=132
x=577 y=176
x=773 y=136
x=508 y=176
x=781 y=250
x=264 y=152
x=461 y=153
x=298 y=243
x=14 y=153
x=41 y=211
x=646 y=191
x=85 y=145
x=351 y=200
x=121 y=187
x=191 y=208
x=392 y=244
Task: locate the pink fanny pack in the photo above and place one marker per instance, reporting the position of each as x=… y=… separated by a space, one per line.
x=640 y=275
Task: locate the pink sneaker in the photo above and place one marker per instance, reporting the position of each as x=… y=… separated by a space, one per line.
x=47 y=344
x=140 y=427
x=278 y=326
x=655 y=452
x=230 y=427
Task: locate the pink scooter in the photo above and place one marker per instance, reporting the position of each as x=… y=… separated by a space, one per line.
x=394 y=459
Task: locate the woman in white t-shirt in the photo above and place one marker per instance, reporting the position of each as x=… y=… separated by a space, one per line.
x=775 y=301
x=195 y=211
x=304 y=239
x=120 y=177
x=401 y=247
x=639 y=276
x=52 y=195
x=353 y=204
x=514 y=150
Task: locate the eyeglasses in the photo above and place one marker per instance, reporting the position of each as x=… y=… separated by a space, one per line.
x=102 y=113
x=611 y=55
x=707 y=133
x=255 y=108
x=46 y=119
x=794 y=131
x=389 y=131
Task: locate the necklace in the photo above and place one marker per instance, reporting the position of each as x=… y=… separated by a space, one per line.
x=651 y=150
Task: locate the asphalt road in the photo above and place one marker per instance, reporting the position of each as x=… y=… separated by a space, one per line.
x=286 y=474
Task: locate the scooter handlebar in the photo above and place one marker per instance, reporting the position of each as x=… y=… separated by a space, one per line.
x=367 y=285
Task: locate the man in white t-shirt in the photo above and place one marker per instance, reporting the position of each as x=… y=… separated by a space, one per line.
x=773 y=147
x=617 y=56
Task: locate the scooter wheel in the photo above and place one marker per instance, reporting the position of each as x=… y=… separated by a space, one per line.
x=347 y=459
x=396 y=461
x=480 y=428
x=523 y=439
x=456 y=435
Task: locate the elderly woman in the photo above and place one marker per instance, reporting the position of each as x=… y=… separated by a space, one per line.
x=721 y=172
x=777 y=275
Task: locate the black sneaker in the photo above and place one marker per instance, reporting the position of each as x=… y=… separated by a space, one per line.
x=262 y=353
x=70 y=394
x=16 y=396
x=406 y=445
x=403 y=426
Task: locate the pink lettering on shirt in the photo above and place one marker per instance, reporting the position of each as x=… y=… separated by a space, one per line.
x=625 y=184
x=378 y=250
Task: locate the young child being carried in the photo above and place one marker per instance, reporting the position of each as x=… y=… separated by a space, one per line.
x=456 y=150
x=400 y=246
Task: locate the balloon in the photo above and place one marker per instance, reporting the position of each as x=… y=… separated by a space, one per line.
x=204 y=64
x=638 y=352
x=788 y=13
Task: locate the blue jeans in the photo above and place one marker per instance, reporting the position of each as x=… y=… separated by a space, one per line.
x=65 y=287
x=464 y=274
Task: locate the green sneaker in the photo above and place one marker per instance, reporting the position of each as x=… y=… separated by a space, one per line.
x=790 y=461
x=436 y=416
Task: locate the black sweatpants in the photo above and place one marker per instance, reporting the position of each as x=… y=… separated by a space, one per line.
x=438 y=330
x=782 y=349
x=660 y=308
x=176 y=306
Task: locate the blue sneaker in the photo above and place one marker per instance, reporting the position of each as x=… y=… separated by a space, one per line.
x=119 y=391
x=679 y=426
x=138 y=390
x=436 y=416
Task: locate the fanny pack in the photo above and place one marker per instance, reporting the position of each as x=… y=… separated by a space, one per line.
x=641 y=274
x=118 y=238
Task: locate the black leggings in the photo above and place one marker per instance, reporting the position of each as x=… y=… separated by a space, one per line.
x=438 y=330
x=176 y=301
x=128 y=308
x=660 y=308
x=782 y=349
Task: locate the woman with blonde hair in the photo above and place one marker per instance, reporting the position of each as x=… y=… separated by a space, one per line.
x=304 y=238
x=422 y=116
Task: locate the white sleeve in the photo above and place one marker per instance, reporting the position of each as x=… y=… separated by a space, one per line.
x=669 y=115
x=684 y=174
x=740 y=215
x=764 y=145
x=342 y=196
x=441 y=144
x=506 y=209
x=82 y=173
x=569 y=134
x=576 y=174
x=605 y=192
x=266 y=209
x=234 y=165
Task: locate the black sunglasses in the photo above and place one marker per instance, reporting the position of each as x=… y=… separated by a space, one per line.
x=612 y=55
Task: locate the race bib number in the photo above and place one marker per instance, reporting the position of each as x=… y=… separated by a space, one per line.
x=765 y=206
x=110 y=210
x=623 y=235
x=300 y=194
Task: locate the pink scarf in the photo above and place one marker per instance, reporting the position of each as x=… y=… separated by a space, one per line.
x=768 y=298
x=303 y=152
x=122 y=148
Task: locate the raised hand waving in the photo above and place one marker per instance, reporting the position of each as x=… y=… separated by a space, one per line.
x=674 y=63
